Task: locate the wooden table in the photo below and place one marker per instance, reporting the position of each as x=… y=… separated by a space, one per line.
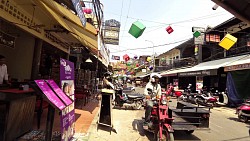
x=16 y=115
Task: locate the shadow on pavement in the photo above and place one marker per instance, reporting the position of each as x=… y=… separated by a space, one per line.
x=137 y=126
x=178 y=135
x=182 y=136
x=106 y=128
x=234 y=119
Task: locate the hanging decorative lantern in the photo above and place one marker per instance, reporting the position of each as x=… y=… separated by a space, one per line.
x=136 y=29
x=169 y=29
x=148 y=59
x=87 y=10
x=137 y=65
x=197 y=34
x=135 y=57
x=150 y=67
x=126 y=57
x=128 y=64
x=228 y=41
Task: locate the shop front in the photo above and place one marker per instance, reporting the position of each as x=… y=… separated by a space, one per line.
x=238 y=79
x=33 y=42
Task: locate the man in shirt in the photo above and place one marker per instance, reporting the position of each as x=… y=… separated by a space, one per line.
x=154 y=85
x=3 y=70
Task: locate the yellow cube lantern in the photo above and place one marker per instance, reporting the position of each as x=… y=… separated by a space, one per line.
x=228 y=41
x=148 y=59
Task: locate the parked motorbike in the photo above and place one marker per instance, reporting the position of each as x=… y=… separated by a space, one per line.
x=128 y=100
x=161 y=120
x=243 y=111
x=187 y=96
x=205 y=99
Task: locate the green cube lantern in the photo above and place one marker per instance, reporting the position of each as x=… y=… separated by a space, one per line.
x=196 y=34
x=136 y=29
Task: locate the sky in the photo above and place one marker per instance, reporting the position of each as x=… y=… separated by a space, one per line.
x=181 y=15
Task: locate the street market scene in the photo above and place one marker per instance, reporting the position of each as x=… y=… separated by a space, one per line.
x=124 y=70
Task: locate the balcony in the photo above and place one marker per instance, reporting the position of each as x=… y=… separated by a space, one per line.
x=183 y=62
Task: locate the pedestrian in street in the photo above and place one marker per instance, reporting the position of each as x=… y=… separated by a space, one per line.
x=154 y=85
x=3 y=71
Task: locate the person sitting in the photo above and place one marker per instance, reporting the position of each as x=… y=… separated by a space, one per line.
x=3 y=71
x=154 y=85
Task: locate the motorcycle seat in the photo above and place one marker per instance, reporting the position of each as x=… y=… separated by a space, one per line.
x=135 y=96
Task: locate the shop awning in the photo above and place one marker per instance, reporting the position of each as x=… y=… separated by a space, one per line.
x=215 y=64
x=210 y=65
x=174 y=72
x=86 y=35
x=241 y=64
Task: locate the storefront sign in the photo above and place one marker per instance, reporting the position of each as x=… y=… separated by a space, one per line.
x=7 y=40
x=199 y=73
x=237 y=67
x=79 y=11
x=52 y=97
x=67 y=85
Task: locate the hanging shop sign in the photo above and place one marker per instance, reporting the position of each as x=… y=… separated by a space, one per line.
x=7 y=40
x=237 y=67
x=79 y=11
x=67 y=85
x=111 y=32
x=198 y=33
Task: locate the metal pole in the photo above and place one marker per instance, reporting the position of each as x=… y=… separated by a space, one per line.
x=153 y=54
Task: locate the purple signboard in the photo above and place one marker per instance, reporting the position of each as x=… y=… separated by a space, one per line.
x=52 y=97
x=67 y=85
x=59 y=92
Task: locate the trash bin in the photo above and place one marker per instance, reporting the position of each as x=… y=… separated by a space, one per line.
x=105 y=113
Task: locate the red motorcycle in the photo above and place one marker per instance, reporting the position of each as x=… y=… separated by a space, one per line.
x=161 y=120
x=243 y=111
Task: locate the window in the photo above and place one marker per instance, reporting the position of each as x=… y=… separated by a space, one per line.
x=212 y=38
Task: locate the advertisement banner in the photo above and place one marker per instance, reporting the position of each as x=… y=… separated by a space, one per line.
x=67 y=86
x=52 y=97
x=79 y=11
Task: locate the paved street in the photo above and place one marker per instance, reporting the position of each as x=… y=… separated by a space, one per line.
x=128 y=125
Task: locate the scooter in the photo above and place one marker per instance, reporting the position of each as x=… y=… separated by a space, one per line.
x=161 y=120
x=205 y=99
x=243 y=111
x=128 y=100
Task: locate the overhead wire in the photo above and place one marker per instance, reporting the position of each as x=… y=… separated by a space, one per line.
x=155 y=46
x=126 y=18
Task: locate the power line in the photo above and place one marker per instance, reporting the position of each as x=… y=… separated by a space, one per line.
x=155 y=46
x=183 y=21
x=126 y=18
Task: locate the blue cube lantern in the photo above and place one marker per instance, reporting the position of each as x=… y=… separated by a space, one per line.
x=137 y=29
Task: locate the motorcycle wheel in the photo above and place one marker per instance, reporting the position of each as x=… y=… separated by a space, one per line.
x=242 y=118
x=180 y=98
x=138 y=105
x=167 y=136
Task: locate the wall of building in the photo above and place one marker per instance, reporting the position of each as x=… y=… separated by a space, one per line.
x=19 y=59
x=170 y=56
